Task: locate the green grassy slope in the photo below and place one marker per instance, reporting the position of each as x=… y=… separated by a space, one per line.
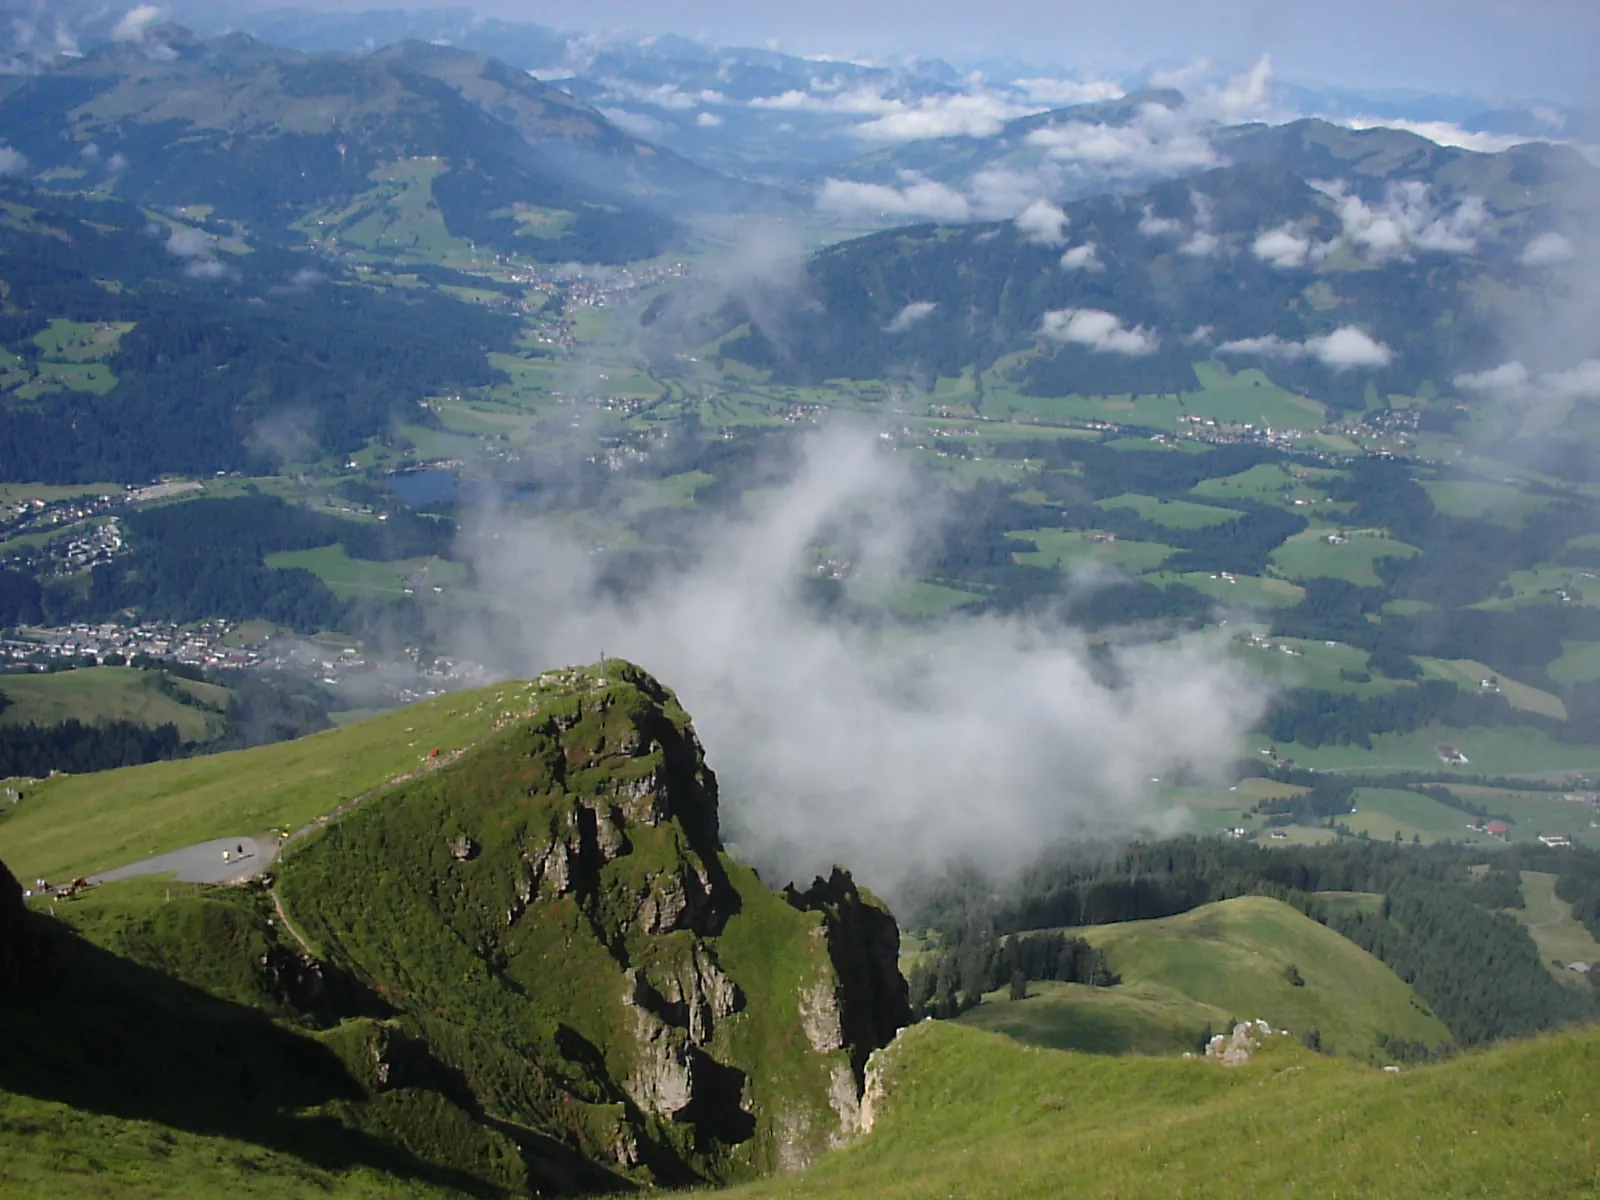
x=95 y=694
x=1554 y=930
x=143 y=1059
x=57 y=1152
x=593 y=845
x=74 y=825
x=1221 y=961
x=1132 y=1018
x=535 y=970
x=974 y=1115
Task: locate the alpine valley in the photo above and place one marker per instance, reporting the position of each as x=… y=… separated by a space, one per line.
x=1130 y=545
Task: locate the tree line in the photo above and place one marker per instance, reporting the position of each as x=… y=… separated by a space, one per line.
x=1440 y=927
x=947 y=981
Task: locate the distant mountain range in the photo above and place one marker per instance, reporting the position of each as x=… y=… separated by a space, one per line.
x=1343 y=263
x=268 y=136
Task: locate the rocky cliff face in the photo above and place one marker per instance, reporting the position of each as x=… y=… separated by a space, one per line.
x=554 y=916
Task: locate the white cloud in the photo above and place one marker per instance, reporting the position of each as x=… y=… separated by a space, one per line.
x=1505 y=379
x=918 y=197
x=846 y=746
x=1099 y=331
x=979 y=112
x=1159 y=141
x=1547 y=250
x=1513 y=381
x=999 y=193
x=707 y=120
x=191 y=243
x=1153 y=226
x=1284 y=247
x=12 y=161
x=136 y=23
x=1344 y=348
x=1406 y=220
x=1082 y=258
x=1245 y=95
x=205 y=268
x=1043 y=224
x=910 y=315
x=665 y=95
x=963 y=115
x=1057 y=92
x=1348 y=347
x=117 y=162
x=641 y=125
x=1202 y=243
x=1445 y=133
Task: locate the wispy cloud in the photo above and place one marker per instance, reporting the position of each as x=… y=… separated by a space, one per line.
x=916 y=197
x=1043 y=224
x=910 y=315
x=1513 y=381
x=1285 y=247
x=842 y=745
x=136 y=22
x=1547 y=250
x=1099 y=331
x=1407 y=220
x=1083 y=257
x=1345 y=348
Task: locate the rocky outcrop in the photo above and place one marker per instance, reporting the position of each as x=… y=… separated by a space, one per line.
x=868 y=1001
x=569 y=932
x=1234 y=1050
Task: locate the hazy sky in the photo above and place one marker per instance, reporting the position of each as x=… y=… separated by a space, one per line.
x=1491 y=47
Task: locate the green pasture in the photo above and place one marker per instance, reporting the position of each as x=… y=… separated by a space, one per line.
x=347 y=577
x=1548 y=585
x=1139 y=1018
x=1068 y=548
x=1234 y=955
x=1483 y=500
x=1554 y=929
x=975 y=1115
x=1252 y=591
x=1579 y=663
x=64 y=341
x=1175 y=514
x=1309 y=555
x=78 y=824
x=1295 y=835
x=1502 y=750
x=925 y=598
x=1248 y=397
x=1383 y=812
x=397 y=216
x=1535 y=812
x=1275 y=482
x=95 y=694
x=1469 y=677
x=1313 y=664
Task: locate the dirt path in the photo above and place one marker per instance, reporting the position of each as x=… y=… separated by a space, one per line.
x=427 y=768
x=277 y=906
